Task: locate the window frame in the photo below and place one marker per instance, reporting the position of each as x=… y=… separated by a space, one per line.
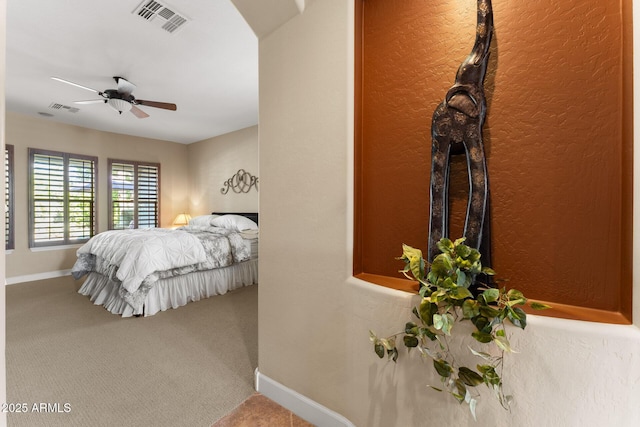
x=136 y=191
x=66 y=159
x=9 y=197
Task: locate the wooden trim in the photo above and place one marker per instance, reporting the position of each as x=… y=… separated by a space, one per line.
x=573 y=312
x=626 y=241
x=390 y=282
x=357 y=138
x=562 y=311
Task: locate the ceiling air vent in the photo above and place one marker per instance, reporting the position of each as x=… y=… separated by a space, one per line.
x=161 y=15
x=62 y=107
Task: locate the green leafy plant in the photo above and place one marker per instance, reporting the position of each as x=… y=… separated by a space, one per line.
x=447 y=297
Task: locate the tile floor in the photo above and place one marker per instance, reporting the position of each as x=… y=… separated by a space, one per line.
x=259 y=411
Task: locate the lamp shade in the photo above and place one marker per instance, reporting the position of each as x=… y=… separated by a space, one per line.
x=182 y=219
x=119 y=105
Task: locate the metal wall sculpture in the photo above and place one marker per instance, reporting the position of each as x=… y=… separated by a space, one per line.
x=240 y=182
x=456 y=129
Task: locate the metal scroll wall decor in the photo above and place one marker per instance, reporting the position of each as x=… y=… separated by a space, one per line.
x=240 y=182
x=456 y=129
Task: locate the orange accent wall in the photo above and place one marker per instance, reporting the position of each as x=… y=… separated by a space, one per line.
x=558 y=139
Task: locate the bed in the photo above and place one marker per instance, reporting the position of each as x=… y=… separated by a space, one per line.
x=141 y=272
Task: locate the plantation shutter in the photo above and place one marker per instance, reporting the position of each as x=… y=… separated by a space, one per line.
x=81 y=194
x=122 y=196
x=48 y=199
x=62 y=198
x=8 y=197
x=147 y=196
x=135 y=189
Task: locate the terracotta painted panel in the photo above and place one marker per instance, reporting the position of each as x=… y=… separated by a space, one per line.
x=557 y=139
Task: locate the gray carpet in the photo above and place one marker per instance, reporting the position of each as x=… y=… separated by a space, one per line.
x=184 y=367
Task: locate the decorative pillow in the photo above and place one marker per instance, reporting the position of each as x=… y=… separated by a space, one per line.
x=234 y=222
x=202 y=220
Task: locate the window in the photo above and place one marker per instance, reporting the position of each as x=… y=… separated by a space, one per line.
x=134 y=188
x=62 y=198
x=9 y=242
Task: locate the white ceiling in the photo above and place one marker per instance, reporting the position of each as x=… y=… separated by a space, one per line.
x=208 y=67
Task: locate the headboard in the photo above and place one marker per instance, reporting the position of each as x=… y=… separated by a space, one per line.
x=253 y=216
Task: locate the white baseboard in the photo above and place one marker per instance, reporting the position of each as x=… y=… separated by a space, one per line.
x=37 y=276
x=300 y=405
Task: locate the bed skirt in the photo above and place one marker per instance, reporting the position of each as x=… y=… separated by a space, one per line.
x=172 y=292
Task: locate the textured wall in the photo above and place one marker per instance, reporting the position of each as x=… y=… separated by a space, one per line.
x=554 y=139
x=215 y=160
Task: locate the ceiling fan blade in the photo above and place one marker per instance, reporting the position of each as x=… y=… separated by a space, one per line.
x=163 y=105
x=91 y=101
x=138 y=112
x=75 y=84
x=124 y=85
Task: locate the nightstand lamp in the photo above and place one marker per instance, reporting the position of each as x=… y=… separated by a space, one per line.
x=182 y=219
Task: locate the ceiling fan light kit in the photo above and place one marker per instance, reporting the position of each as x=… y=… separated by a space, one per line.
x=121 y=99
x=119 y=105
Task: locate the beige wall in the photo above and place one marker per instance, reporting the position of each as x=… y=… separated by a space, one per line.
x=28 y=132
x=214 y=161
x=314 y=318
x=306 y=137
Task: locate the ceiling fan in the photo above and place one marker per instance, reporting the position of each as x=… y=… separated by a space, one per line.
x=121 y=99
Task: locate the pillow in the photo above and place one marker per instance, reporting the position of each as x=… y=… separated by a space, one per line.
x=234 y=222
x=202 y=220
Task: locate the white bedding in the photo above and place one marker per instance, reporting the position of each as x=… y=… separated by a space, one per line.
x=172 y=292
x=133 y=261
x=140 y=252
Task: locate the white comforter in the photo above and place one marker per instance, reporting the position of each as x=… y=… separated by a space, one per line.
x=140 y=252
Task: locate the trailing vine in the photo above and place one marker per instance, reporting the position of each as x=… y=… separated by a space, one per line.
x=447 y=299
